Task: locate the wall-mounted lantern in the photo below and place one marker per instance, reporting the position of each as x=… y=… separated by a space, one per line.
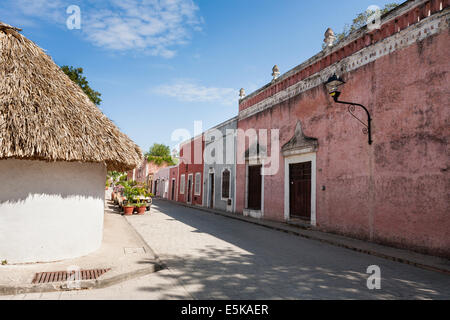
x=333 y=83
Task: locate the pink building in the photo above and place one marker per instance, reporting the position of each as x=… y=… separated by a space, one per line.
x=145 y=172
x=173 y=178
x=394 y=191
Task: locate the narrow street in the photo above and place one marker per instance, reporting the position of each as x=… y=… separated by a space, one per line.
x=213 y=257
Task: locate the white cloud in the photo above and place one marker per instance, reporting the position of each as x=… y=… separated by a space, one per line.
x=149 y=25
x=156 y=27
x=50 y=10
x=190 y=91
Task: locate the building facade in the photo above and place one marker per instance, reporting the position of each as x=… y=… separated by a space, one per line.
x=145 y=173
x=320 y=168
x=219 y=173
x=161 y=183
x=190 y=170
x=173 y=180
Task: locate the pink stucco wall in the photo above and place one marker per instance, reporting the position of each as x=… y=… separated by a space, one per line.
x=144 y=173
x=395 y=191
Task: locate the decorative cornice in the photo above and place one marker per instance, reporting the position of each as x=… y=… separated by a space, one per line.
x=400 y=18
x=427 y=27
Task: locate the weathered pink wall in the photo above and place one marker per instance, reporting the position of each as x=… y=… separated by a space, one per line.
x=395 y=191
x=139 y=172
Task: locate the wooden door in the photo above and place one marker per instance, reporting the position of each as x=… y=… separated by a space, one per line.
x=254 y=187
x=173 y=189
x=300 y=190
x=189 y=189
x=211 y=195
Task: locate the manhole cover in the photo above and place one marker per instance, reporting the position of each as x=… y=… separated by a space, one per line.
x=58 y=276
x=134 y=250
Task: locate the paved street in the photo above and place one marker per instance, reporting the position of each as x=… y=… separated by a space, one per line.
x=213 y=257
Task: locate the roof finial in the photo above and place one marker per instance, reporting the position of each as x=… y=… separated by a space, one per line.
x=275 y=72
x=241 y=94
x=329 y=37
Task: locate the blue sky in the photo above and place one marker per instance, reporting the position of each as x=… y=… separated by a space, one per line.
x=162 y=64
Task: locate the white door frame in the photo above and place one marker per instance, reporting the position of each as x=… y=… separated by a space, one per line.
x=221 y=184
x=307 y=157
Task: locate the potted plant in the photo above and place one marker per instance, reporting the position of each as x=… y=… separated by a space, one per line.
x=128 y=207
x=141 y=199
x=141 y=208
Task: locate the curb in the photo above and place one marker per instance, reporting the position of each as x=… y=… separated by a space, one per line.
x=309 y=234
x=84 y=284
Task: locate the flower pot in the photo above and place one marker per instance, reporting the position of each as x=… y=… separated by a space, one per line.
x=128 y=211
x=141 y=210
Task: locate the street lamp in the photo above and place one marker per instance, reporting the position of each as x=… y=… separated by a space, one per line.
x=333 y=83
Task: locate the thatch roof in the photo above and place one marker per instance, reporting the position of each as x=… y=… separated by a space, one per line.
x=46 y=116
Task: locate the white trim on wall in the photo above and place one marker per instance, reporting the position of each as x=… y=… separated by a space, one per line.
x=166 y=188
x=182 y=183
x=308 y=157
x=221 y=184
x=199 y=184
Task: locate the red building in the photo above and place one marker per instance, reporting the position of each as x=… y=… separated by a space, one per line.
x=190 y=171
x=393 y=191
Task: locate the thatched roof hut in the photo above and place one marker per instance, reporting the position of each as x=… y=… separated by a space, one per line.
x=55 y=149
x=46 y=116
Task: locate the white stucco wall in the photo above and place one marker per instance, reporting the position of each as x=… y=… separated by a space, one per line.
x=162 y=175
x=50 y=210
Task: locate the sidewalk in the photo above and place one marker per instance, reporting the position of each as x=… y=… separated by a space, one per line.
x=404 y=256
x=123 y=252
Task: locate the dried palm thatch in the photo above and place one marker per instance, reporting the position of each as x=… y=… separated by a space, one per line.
x=46 y=116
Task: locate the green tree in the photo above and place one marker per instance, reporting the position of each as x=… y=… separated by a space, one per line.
x=76 y=75
x=159 y=154
x=114 y=176
x=360 y=21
